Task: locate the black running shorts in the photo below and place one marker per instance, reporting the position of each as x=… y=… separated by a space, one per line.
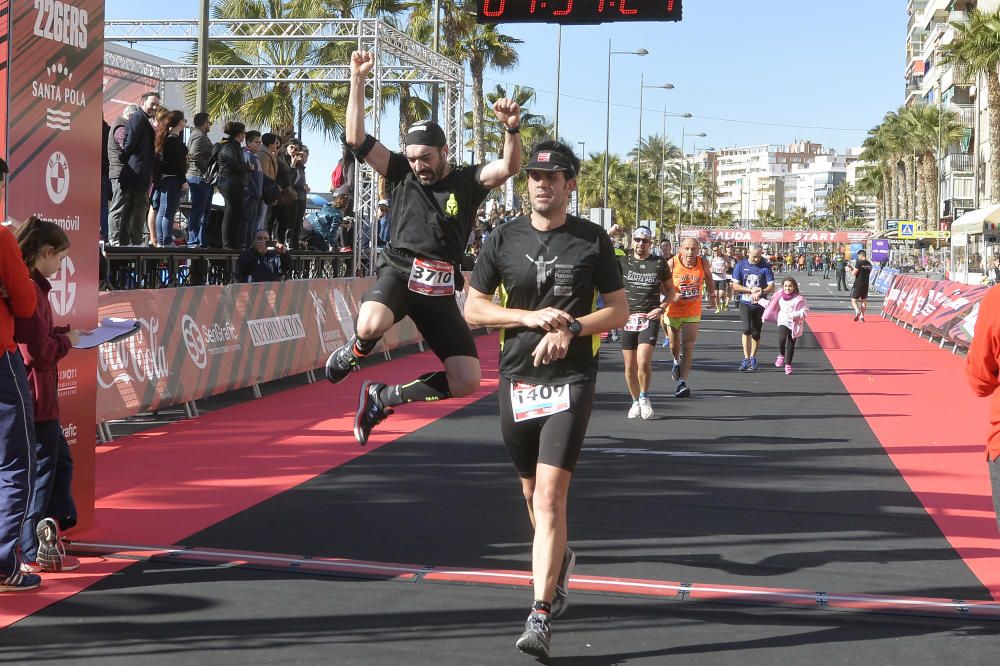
x=437 y=317
x=553 y=440
x=752 y=319
x=632 y=339
x=859 y=290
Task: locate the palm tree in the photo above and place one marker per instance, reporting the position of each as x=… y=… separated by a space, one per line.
x=590 y=182
x=872 y=184
x=875 y=152
x=975 y=51
x=840 y=201
x=534 y=127
x=486 y=47
x=932 y=128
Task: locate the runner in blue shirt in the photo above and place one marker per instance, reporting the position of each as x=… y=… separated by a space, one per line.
x=752 y=280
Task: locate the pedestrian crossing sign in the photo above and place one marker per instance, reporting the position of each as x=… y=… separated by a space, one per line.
x=906 y=230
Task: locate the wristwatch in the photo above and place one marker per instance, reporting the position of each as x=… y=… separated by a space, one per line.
x=512 y=130
x=574 y=328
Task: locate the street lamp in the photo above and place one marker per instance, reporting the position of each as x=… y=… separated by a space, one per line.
x=607 y=118
x=684 y=157
x=638 y=147
x=663 y=158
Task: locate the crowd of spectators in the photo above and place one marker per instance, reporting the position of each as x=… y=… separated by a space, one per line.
x=149 y=168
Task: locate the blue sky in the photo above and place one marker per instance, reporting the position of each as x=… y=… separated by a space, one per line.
x=767 y=71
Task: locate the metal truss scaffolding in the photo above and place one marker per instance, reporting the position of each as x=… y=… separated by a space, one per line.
x=398 y=59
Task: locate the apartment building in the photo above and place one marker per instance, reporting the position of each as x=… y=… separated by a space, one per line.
x=963 y=167
x=808 y=184
x=751 y=178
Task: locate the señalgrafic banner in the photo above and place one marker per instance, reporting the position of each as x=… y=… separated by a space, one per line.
x=55 y=69
x=200 y=341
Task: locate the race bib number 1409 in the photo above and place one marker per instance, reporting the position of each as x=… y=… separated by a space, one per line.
x=531 y=401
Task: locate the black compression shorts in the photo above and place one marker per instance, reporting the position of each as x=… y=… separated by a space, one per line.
x=632 y=339
x=437 y=317
x=553 y=440
x=752 y=319
x=859 y=290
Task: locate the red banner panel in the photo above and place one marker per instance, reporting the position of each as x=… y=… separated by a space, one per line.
x=55 y=77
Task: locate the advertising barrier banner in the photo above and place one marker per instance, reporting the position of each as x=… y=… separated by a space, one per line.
x=939 y=307
x=54 y=69
x=200 y=341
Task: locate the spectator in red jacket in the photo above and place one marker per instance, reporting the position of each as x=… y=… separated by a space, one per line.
x=982 y=367
x=17 y=427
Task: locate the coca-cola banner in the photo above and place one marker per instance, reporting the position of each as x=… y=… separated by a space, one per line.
x=199 y=341
x=54 y=70
x=774 y=236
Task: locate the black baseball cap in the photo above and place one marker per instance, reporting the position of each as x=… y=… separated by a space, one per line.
x=550 y=160
x=425 y=133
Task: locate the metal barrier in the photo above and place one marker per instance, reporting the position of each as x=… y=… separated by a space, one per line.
x=157 y=268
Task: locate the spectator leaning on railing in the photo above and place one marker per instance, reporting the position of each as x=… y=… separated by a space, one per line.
x=260 y=264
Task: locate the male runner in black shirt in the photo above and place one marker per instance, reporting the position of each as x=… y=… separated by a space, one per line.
x=434 y=205
x=859 y=292
x=646 y=279
x=550 y=267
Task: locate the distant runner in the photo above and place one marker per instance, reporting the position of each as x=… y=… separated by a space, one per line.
x=859 y=293
x=690 y=273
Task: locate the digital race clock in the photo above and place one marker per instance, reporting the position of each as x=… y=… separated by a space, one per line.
x=576 y=11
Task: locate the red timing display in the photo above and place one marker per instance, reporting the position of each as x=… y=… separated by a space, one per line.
x=576 y=11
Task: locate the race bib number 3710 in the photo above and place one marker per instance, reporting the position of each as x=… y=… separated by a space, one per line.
x=432 y=278
x=531 y=401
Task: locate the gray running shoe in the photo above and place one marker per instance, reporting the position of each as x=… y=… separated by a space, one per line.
x=341 y=363
x=49 y=555
x=536 y=636
x=682 y=390
x=675 y=371
x=560 y=602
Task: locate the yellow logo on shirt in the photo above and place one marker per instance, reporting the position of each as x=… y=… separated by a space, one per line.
x=451 y=208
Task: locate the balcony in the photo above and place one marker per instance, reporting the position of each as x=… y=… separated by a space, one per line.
x=957 y=163
x=966 y=113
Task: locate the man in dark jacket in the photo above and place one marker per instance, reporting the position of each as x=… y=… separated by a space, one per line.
x=199 y=154
x=259 y=264
x=123 y=199
x=137 y=174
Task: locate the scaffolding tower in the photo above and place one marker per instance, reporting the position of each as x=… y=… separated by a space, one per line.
x=398 y=59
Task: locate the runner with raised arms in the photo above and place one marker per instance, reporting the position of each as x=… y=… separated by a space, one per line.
x=549 y=268
x=434 y=205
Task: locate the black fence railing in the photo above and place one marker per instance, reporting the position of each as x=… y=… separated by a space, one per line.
x=157 y=268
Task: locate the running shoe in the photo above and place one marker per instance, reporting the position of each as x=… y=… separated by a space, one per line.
x=862 y=318
x=371 y=411
x=682 y=390
x=856 y=315
x=645 y=408
x=560 y=602
x=19 y=582
x=780 y=361
x=675 y=371
x=744 y=365
x=634 y=410
x=753 y=364
x=66 y=563
x=341 y=363
x=49 y=556
x=788 y=369
x=536 y=636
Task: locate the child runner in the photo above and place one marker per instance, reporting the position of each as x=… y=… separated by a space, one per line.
x=43 y=246
x=789 y=309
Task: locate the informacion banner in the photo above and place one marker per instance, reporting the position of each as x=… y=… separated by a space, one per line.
x=55 y=69
x=200 y=341
x=774 y=235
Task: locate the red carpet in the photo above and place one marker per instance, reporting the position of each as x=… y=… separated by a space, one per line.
x=915 y=398
x=163 y=485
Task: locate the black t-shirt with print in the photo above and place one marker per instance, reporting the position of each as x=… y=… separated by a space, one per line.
x=864 y=270
x=564 y=268
x=642 y=281
x=432 y=221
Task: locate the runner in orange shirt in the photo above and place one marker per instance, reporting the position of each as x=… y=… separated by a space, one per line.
x=691 y=274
